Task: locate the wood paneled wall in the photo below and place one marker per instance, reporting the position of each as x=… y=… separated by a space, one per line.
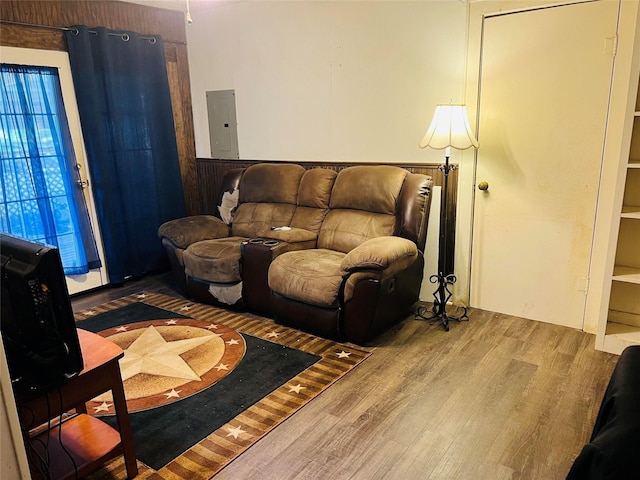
x=210 y=173
x=22 y=26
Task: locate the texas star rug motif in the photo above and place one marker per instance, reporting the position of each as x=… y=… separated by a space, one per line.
x=166 y=361
x=227 y=378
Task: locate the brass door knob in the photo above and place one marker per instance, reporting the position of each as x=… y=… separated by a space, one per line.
x=484 y=186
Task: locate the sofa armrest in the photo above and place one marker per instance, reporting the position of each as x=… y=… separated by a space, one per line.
x=389 y=254
x=292 y=235
x=187 y=230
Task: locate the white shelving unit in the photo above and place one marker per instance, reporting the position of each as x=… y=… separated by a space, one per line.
x=614 y=300
x=623 y=318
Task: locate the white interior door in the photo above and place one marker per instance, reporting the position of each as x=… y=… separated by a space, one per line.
x=545 y=81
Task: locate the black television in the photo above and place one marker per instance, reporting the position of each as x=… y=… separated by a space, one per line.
x=37 y=324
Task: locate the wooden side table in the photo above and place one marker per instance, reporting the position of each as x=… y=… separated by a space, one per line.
x=87 y=439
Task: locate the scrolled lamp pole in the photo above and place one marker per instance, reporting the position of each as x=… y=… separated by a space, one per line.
x=449 y=128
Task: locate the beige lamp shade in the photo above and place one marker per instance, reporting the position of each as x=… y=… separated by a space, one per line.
x=449 y=128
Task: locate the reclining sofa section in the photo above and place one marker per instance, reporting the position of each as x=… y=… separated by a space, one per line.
x=336 y=254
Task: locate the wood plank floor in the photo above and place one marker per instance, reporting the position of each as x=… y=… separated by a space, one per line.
x=498 y=397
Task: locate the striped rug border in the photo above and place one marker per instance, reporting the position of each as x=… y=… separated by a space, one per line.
x=204 y=459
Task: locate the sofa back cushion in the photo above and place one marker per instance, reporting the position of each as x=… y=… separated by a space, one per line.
x=362 y=206
x=271 y=183
x=370 y=188
x=267 y=198
x=313 y=198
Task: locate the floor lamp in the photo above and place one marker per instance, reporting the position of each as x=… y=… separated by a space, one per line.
x=449 y=128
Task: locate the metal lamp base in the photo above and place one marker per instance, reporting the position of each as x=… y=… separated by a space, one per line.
x=441 y=296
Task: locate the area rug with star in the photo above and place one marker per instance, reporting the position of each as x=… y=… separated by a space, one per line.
x=202 y=383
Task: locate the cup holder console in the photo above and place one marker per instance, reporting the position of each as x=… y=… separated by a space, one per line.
x=264 y=241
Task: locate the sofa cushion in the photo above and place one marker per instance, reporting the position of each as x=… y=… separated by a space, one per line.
x=268 y=197
x=344 y=230
x=363 y=206
x=308 y=276
x=374 y=188
x=315 y=187
x=308 y=218
x=253 y=218
x=216 y=261
x=313 y=199
x=187 y=230
x=271 y=183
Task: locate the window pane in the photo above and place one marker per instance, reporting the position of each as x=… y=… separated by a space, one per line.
x=36 y=190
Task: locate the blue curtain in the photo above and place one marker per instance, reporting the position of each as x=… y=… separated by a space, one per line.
x=39 y=198
x=123 y=97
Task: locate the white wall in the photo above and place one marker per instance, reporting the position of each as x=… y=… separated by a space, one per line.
x=329 y=81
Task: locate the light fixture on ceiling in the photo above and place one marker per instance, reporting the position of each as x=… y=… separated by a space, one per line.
x=188 y=15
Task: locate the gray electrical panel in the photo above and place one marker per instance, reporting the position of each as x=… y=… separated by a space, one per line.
x=223 y=128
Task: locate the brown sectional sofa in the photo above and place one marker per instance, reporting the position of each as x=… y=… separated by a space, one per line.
x=347 y=265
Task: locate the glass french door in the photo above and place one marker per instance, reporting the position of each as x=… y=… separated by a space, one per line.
x=95 y=277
